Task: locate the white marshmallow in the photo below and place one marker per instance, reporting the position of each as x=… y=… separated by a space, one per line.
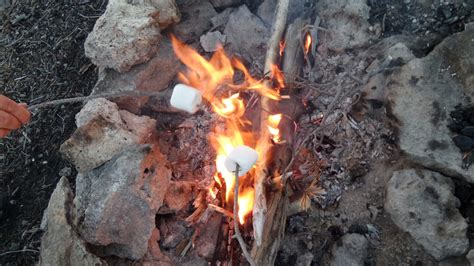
x=186 y=98
x=244 y=156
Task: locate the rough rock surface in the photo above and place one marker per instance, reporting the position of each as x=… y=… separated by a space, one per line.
x=60 y=245
x=351 y=249
x=225 y=3
x=266 y=10
x=221 y=18
x=154 y=256
x=4 y=5
x=116 y=204
x=421 y=202
x=246 y=33
x=347 y=23
x=179 y=195
x=128 y=32
x=422 y=101
x=154 y=75
x=104 y=131
x=470 y=256
x=197 y=16
x=211 y=40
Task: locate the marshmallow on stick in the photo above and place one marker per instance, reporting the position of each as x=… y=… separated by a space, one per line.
x=244 y=156
x=186 y=98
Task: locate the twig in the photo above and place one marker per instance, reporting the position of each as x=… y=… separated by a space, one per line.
x=236 y=218
x=322 y=125
x=330 y=109
x=91 y=97
x=19 y=251
x=221 y=210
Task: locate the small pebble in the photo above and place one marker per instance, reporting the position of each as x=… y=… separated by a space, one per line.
x=468 y=131
x=464 y=143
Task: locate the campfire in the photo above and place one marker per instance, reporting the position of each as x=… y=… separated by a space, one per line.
x=240 y=150
x=209 y=136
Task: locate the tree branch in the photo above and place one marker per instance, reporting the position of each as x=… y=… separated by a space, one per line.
x=95 y=96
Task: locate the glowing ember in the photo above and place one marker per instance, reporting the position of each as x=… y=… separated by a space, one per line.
x=214 y=79
x=277 y=74
x=282 y=47
x=307 y=43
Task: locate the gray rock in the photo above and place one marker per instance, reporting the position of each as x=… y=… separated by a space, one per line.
x=60 y=245
x=197 y=16
x=422 y=101
x=246 y=33
x=211 y=40
x=4 y=5
x=305 y=260
x=296 y=9
x=128 y=32
x=95 y=143
x=351 y=249
x=421 y=202
x=154 y=75
x=98 y=107
x=347 y=22
x=225 y=3
x=154 y=256
x=266 y=11
x=396 y=54
x=103 y=132
x=141 y=126
x=221 y=18
x=116 y=204
x=470 y=257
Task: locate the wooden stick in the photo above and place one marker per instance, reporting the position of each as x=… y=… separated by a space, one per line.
x=95 y=96
x=236 y=218
x=221 y=210
x=260 y=204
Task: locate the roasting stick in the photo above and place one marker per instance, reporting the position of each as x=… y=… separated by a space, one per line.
x=260 y=204
x=91 y=97
x=236 y=219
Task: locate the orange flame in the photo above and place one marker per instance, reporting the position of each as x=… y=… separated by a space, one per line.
x=232 y=106
x=277 y=74
x=273 y=122
x=282 y=47
x=214 y=78
x=246 y=199
x=307 y=43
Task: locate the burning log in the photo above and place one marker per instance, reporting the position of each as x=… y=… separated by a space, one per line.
x=237 y=185
x=293 y=58
x=260 y=204
x=270 y=219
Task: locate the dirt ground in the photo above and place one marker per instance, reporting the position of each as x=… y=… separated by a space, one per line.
x=41 y=58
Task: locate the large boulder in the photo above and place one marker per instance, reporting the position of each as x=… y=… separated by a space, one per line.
x=423 y=93
x=351 y=249
x=154 y=75
x=197 y=15
x=128 y=32
x=60 y=245
x=103 y=131
x=421 y=202
x=116 y=204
